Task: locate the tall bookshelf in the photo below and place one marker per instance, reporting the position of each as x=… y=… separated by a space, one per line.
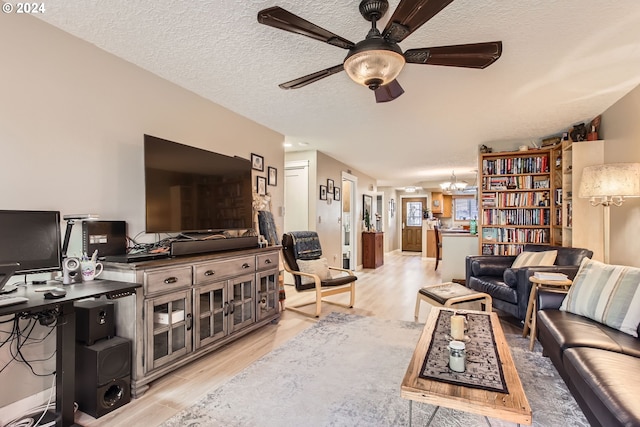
x=557 y=217
x=518 y=200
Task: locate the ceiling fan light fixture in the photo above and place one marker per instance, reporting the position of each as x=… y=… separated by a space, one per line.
x=374 y=63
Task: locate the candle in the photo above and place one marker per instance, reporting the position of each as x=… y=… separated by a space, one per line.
x=457 y=327
x=457 y=357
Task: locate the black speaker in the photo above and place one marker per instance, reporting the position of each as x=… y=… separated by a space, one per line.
x=105 y=398
x=103 y=376
x=94 y=321
x=71 y=271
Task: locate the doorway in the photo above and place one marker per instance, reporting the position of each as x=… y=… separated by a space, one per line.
x=296 y=196
x=349 y=221
x=412 y=223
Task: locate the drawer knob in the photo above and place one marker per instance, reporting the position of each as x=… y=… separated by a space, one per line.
x=170 y=280
x=245 y=265
x=209 y=273
x=267 y=261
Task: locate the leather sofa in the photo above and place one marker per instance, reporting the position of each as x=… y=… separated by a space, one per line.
x=510 y=287
x=599 y=364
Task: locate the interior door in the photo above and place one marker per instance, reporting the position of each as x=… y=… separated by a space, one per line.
x=412 y=223
x=296 y=196
x=348 y=221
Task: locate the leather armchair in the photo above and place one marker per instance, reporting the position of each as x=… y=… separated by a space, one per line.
x=510 y=287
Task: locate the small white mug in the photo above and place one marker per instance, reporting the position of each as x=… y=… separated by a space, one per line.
x=90 y=270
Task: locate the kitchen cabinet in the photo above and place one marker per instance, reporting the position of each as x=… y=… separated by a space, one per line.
x=441 y=204
x=437 y=201
x=192 y=305
x=431 y=243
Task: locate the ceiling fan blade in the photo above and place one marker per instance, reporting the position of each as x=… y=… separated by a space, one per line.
x=389 y=92
x=411 y=15
x=476 y=55
x=277 y=17
x=303 y=81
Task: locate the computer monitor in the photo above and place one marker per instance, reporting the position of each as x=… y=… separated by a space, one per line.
x=32 y=239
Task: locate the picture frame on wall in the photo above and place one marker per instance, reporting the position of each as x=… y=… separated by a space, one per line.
x=336 y=194
x=272 y=176
x=330 y=186
x=367 y=203
x=323 y=192
x=261 y=185
x=257 y=162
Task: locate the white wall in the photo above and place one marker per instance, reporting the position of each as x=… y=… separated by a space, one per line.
x=72 y=119
x=621 y=131
x=323 y=215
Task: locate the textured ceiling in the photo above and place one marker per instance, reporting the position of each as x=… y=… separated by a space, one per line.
x=563 y=61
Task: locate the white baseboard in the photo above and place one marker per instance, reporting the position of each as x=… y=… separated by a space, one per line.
x=25 y=406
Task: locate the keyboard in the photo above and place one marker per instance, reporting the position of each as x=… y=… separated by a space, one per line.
x=10 y=300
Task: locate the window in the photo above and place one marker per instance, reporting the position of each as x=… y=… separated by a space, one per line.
x=414 y=214
x=465 y=209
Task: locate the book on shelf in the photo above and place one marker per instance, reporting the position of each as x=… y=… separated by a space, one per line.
x=550 y=275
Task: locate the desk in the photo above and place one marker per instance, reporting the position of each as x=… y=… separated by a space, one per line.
x=66 y=331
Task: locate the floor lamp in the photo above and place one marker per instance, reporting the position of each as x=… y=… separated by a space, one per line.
x=608 y=185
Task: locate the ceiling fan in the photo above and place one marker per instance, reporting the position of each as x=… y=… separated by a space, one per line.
x=377 y=60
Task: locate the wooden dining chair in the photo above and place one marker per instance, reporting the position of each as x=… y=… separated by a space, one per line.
x=438 y=245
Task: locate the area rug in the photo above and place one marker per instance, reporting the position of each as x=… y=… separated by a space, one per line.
x=346 y=370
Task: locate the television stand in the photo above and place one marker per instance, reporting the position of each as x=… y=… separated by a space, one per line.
x=193 y=246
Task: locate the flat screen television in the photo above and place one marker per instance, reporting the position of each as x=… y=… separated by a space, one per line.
x=191 y=190
x=31 y=238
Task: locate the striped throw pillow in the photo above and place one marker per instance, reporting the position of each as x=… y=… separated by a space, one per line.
x=606 y=293
x=530 y=259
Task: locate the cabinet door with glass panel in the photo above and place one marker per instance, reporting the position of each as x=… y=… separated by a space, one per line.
x=242 y=302
x=169 y=334
x=267 y=296
x=211 y=310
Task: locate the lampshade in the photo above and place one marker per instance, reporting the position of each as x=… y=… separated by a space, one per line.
x=613 y=180
x=374 y=62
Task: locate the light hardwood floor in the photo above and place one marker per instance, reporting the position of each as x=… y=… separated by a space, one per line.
x=388 y=292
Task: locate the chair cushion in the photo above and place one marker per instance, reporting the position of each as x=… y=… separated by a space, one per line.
x=319 y=267
x=606 y=293
x=530 y=259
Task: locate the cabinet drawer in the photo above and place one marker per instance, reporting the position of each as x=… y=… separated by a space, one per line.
x=265 y=261
x=166 y=280
x=211 y=271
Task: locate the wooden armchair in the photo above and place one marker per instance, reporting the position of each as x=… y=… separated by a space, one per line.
x=303 y=259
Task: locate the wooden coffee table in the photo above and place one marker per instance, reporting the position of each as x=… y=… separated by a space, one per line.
x=513 y=407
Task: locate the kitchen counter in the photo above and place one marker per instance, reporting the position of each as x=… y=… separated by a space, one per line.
x=454 y=231
x=455 y=248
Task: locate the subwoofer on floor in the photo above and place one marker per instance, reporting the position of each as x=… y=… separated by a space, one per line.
x=103 y=376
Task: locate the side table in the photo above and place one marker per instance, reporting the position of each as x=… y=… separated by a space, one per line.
x=530 y=317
